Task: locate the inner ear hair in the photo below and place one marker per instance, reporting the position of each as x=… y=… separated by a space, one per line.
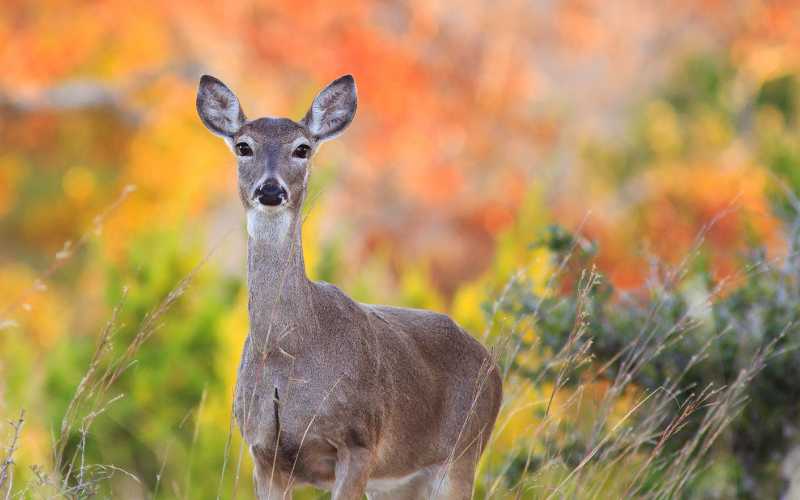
x=333 y=109
x=218 y=107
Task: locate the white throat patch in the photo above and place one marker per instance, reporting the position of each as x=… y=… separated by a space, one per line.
x=269 y=226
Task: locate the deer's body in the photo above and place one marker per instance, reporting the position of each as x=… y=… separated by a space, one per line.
x=356 y=398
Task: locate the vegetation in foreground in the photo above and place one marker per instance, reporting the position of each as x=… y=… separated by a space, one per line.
x=647 y=394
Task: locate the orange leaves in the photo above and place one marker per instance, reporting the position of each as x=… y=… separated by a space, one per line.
x=459 y=111
x=443 y=114
x=667 y=210
x=10 y=176
x=769 y=43
x=685 y=198
x=40 y=316
x=177 y=167
x=49 y=41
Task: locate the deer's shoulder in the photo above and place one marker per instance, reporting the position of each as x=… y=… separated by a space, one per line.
x=414 y=320
x=331 y=299
x=428 y=333
x=331 y=303
x=435 y=335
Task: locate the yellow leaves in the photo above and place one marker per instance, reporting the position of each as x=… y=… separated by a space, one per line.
x=662 y=129
x=233 y=332
x=311 y=240
x=175 y=159
x=769 y=121
x=140 y=42
x=764 y=61
x=10 y=175
x=515 y=249
x=710 y=132
x=466 y=307
x=32 y=307
x=667 y=136
x=78 y=184
x=514 y=257
x=178 y=168
x=416 y=290
x=517 y=420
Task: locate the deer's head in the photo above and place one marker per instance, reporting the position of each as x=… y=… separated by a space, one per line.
x=273 y=154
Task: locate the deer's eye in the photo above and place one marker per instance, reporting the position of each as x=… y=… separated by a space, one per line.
x=242 y=149
x=301 y=151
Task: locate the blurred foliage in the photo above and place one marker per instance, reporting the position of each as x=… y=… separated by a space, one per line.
x=633 y=127
x=165 y=385
x=708 y=332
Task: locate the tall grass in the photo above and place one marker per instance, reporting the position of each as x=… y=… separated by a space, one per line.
x=597 y=426
x=641 y=386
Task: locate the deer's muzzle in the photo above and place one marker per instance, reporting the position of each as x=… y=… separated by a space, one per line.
x=271 y=193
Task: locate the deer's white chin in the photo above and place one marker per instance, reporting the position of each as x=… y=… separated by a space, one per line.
x=270 y=210
x=269 y=223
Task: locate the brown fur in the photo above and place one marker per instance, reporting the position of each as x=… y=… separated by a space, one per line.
x=388 y=401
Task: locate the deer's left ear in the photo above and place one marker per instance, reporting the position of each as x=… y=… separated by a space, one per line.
x=333 y=109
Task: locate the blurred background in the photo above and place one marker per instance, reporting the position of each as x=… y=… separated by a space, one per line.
x=489 y=135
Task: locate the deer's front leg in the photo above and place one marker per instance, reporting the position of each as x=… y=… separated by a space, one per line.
x=270 y=484
x=353 y=466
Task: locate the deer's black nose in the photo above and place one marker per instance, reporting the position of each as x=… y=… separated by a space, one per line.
x=271 y=193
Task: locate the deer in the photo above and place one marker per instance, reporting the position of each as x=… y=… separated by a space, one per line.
x=357 y=399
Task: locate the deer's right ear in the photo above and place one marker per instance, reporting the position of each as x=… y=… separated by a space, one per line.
x=218 y=107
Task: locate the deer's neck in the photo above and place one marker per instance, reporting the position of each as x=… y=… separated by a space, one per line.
x=276 y=276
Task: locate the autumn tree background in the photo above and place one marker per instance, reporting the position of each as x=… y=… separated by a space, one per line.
x=490 y=138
